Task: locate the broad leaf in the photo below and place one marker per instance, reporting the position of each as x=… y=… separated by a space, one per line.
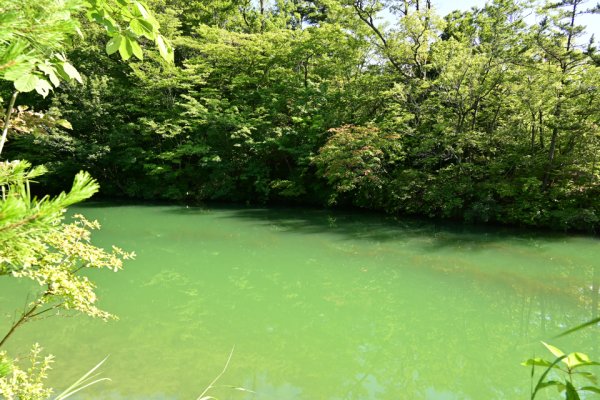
x=17 y=70
x=587 y=375
x=64 y=123
x=26 y=83
x=559 y=385
x=571 y=392
x=137 y=50
x=142 y=9
x=50 y=71
x=43 y=87
x=164 y=48
x=126 y=49
x=142 y=28
x=538 y=362
x=541 y=381
x=554 y=350
x=126 y=12
x=113 y=44
x=71 y=71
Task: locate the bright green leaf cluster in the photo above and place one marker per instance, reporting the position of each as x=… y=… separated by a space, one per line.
x=567 y=373
x=126 y=21
x=34 y=36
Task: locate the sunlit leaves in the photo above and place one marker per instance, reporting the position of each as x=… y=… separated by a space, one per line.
x=43 y=87
x=565 y=366
x=126 y=48
x=36 y=244
x=136 y=50
x=26 y=82
x=137 y=22
x=70 y=71
x=112 y=46
x=165 y=49
x=35 y=35
x=142 y=27
x=554 y=350
x=539 y=362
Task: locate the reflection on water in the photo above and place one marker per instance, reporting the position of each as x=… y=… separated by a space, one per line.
x=319 y=305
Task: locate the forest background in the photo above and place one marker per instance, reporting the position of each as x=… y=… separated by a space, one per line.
x=478 y=116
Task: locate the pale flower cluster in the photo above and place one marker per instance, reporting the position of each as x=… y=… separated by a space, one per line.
x=19 y=384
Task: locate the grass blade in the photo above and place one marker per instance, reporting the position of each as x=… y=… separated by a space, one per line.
x=82 y=382
x=579 y=327
x=202 y=395
x=540 y=384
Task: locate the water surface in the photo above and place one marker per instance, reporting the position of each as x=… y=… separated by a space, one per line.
x=318 y=305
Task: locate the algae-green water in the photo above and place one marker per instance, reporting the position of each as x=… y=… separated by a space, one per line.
x=317 y=305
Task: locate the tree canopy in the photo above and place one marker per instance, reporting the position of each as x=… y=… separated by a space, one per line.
x=476 y=116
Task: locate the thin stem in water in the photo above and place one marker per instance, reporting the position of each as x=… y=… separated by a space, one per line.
x=201 y=397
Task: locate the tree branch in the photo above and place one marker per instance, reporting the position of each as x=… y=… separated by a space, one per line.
x=9 y=110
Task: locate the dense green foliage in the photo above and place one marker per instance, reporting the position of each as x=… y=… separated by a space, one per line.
x=475 y=116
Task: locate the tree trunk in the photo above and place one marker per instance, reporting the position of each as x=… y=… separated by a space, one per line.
x=553 y=143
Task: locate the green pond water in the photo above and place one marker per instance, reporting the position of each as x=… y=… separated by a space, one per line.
x=318 y=305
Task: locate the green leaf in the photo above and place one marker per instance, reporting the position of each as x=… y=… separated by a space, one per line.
x=26 y=83
x=591 y=389
x=65 y=124
x=537 y=361
x=50 y=71
x=560 y=386
x=587 y=375
x=18 y=70
x=126 y=49
x=5 y=367
x=571 y=392
x=142 y=28
x=164 y=48
x=575 y=360
x=137 y=50
x=126 y=12
x=142 y=9
x=540 y=383
x=586 y=364
x=554 y=350
x=71 y=71
x=43 y=87
x=113 y=44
